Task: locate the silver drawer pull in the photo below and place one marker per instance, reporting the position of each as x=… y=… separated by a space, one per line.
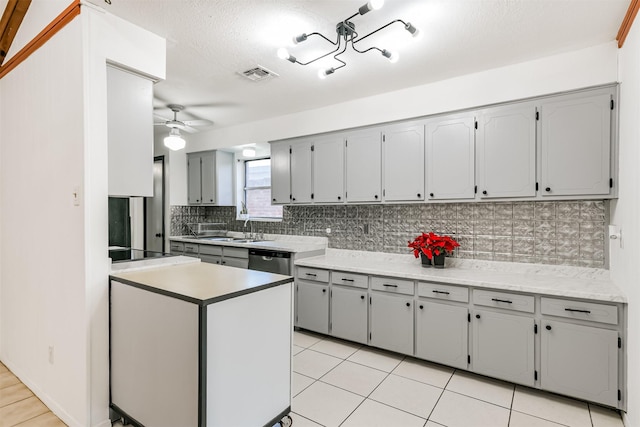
x=267 y=258
x=389 y=285
x=311 y=274
x=501 y=300
x=575 y=310
x=347 y=280
x=440 y=292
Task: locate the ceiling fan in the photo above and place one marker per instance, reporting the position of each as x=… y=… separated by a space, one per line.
x=185 y=125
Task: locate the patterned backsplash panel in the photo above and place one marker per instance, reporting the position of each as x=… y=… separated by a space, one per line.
x=563 y=232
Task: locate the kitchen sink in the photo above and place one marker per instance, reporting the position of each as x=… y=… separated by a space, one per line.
x=231 y=239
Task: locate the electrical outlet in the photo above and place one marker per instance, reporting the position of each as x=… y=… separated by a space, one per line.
x=51 y=354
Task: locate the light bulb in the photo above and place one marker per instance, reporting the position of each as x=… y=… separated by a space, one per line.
x=391 y=56
x=299 y=39
x=283 y=53
x=324 y=73
x=412 y=30
x=375 y=4
x=174 y=141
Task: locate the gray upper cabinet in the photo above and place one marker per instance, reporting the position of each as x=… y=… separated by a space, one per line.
x=210 y=178
x=442 y=333
x=391 y=322
x=450 y=142
x=129 y=133
x=328 y=169
x=349 y=313
x=575 y=144
x=403 y=159
x=280 y=173
x=301 y=171
x=364 y=166
x=503 y=346
x=506 y=151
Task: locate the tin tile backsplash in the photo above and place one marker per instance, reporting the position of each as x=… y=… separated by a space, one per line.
x=561 y=232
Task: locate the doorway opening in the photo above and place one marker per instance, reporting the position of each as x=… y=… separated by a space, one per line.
x=154 y=218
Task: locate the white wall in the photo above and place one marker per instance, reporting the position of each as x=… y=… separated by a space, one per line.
x=43 y=249
x=625 y=212
x=54 y=284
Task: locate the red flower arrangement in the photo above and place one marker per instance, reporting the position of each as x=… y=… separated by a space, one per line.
x=432 y=244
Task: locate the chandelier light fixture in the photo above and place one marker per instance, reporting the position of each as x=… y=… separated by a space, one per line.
x=346 y=31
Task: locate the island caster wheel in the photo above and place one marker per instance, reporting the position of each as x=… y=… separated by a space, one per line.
x=286 y=421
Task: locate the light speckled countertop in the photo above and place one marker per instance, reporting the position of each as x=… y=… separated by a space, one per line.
x=201 y=283
x=562 y=281
x=273 y=242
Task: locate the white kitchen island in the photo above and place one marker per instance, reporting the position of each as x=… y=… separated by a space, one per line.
x=200 y=345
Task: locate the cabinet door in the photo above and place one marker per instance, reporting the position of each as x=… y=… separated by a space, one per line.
x=208 y=177
x=194 y=179
x=450 y=157
x=280 y=174
x=364 y=166
x=301 y=172
x=580 y=361
x=403 y=157
x=506 y=152
x=442 y=333
x=312 y=307
x=575 y=135
x=503 y=346
x=328 y=170
x=391 y=323
x=349 y=314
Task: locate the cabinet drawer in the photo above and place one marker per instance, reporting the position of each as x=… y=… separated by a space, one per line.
x=235 y=262
x=349 y=279
x=191 y=248
x=236 y=252
x=313 y=274
x=445 y=292
x=505 y=300
x=211 y=250
x=176 y=247
x=389 y=284
x=603 y=313
x=211 y=259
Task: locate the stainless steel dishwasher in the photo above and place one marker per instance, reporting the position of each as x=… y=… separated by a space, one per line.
x=270 y=261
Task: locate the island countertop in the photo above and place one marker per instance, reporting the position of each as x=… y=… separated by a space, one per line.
x=201 y=283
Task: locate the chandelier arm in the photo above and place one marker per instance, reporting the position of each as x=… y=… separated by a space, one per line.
x=379 y=29
x=337 y=43
x=321 y=35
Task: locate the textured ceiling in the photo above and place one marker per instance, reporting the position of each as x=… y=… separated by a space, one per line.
x=209 y=41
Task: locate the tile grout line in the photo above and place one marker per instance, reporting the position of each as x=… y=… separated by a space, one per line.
x=440 y=397
x=513 y=396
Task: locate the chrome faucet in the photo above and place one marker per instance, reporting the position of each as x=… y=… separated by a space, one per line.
x=250 y=228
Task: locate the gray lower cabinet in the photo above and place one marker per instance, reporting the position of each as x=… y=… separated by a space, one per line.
x=442 y=333
x=176 y=248
x=312 y=309
x=580 y=361
x=503 y=346
x=391 y=322
x=349 y=314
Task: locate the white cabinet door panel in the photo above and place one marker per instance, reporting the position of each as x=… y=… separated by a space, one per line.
x=194 y=179
x=503 y=346
x=403 y=160
x=364 y=166
x=506 y=152
x=328 y=170
x=312 y=311
x=442 y=333
x=349 y=314
x=580 y=361
x=391 y=323
x=301 y=172
x=575 y=135
x=208 y=174
x=280 y=174
x=450 y=157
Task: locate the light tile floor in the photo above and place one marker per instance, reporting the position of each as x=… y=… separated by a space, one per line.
x=338 y=383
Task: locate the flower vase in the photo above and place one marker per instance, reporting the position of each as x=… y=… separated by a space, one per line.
x=426 y=262
x=438 y=260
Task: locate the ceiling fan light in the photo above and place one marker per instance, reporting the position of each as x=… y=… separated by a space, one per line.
x=248 y=152
x=371 y=5
x=174 y=140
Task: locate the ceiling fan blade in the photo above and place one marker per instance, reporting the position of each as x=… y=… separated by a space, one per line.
x=189 y=129
x=201 y=122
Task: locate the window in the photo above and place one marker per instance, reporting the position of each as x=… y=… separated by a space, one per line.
x=257 y=189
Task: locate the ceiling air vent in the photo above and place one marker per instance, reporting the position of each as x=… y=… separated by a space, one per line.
x=258 y=74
